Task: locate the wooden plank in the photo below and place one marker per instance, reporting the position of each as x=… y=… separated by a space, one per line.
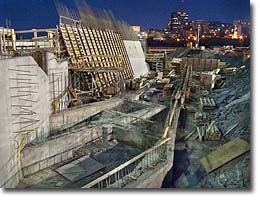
x=224 y=154
x=165 y=134
x=199 y=133
x=189 y=135
x=230 y=130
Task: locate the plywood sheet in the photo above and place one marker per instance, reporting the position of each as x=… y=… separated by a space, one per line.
x=224 y=154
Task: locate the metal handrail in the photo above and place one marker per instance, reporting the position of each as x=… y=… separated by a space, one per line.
x=125 y=165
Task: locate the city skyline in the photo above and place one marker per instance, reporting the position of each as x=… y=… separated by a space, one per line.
x=145 y=15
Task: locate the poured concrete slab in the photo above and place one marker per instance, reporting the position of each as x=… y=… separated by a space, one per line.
x=224 y=154
x=80 y=169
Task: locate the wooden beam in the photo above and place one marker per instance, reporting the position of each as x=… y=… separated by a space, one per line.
x=36 y=31
x=189 y=135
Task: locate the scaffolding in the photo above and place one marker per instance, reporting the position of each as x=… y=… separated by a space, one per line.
x=7 y=42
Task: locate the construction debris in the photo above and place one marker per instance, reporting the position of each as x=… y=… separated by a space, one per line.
x=201 y=117
x=208 y=79
x=189 y=135
x=209 y=132
x=223 y=115
x=230 y=130
x=207 y=103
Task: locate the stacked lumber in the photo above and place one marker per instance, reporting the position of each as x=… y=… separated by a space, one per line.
x=207 y=132
x=207 y=103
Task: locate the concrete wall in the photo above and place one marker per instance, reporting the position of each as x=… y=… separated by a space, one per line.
x=28 y=90
x=137 y=58
x=70 y=117
x=24 y=89
x=154 y=177
x=58 y=76
x=124 y=119
x=134 y=137
x=202 y=63
x=35 y=158
x=26 y=96
x=9 y=165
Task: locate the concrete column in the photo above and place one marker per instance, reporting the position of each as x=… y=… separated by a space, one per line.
x=107 y=132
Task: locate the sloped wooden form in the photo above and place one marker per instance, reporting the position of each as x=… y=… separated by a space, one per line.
x=98 y=59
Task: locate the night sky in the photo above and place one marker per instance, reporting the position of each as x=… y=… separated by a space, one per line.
x=27 y=14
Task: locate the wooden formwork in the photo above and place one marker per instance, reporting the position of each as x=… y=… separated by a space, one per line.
x=100 y=55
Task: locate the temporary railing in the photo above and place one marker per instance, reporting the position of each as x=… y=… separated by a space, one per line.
x=132 y=169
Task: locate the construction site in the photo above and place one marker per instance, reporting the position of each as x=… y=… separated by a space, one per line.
x=84 y=107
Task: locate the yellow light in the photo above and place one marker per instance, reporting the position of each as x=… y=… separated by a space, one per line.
x=195 y=38
x=241 y=37
x=178 y=40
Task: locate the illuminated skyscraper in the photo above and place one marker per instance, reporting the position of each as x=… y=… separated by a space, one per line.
x=179 y=20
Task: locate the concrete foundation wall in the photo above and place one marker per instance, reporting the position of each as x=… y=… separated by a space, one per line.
x=29 y=91
x=58 y=77
x=143 y=114
x=35 y=158
x=134 y=137
x=25 y=92
x=9 y=165
x=70 y=117
x=137 y=58
x=153 y=178
x=202 y=63
x=24 y=89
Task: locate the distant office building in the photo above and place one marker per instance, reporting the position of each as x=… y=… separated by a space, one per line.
x=179 y=22
x=242 y=27
x=179 y=18
x=169 y=25
x=220 y=29
x=204 y=26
